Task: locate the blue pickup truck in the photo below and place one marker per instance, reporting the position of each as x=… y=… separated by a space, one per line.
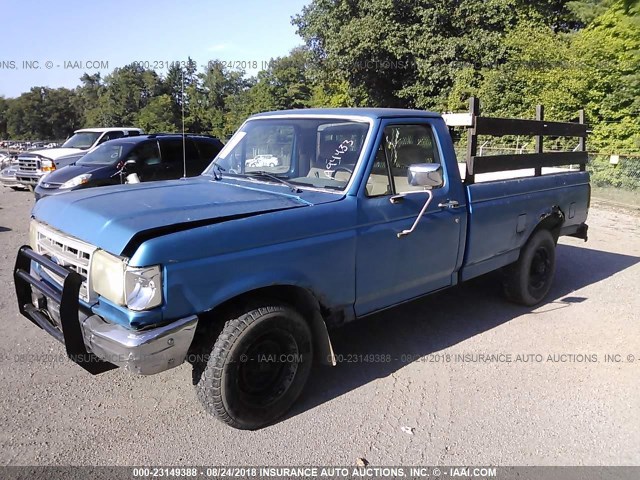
x=305 y=220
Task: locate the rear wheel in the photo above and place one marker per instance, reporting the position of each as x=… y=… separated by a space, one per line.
x=528 y=280
x=257 y=367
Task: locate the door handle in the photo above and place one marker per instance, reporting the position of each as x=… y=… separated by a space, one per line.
x=449 y=204
x=397 y=199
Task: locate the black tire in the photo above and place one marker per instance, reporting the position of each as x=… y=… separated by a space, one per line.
x=528 y=280
x=257 y=367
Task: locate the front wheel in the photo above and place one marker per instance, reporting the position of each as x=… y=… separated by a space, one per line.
x=528 y=280
x=257 y=367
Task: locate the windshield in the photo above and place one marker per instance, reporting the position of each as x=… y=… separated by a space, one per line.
x=83 y=140
x=320 y=153
x=106 y=154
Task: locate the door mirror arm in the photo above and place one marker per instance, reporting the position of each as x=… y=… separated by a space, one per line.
x=415 y=224
x=427 y=175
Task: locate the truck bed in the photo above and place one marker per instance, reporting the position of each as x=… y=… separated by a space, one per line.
x=504 y=212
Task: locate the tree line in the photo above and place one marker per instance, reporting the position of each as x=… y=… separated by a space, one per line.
x=513 y=54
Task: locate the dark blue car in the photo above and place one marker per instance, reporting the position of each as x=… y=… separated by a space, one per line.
x=150 y=157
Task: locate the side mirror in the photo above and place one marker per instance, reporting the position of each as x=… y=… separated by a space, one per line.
x=427 y=175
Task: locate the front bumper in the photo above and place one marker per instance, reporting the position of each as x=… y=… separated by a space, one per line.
x=90 y=341
x=9 y=182
x=8 y=179
x=27 y=178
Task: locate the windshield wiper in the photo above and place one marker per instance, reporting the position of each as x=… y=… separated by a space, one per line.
x=262 y=173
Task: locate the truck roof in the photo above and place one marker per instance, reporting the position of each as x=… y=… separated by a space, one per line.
x=371 y=113
x=108 y=129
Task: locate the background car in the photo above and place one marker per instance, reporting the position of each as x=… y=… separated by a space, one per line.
x=150 y=157
x=7 y=159
x=8 y=177
x=34 y=164
x=260 y=161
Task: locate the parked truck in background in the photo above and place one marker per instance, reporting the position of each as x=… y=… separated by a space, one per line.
x=249 y=270
x=34 y=164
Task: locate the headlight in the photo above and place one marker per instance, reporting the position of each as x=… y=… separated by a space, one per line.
x=42 y=178
x=75 y=181
x=139 y=288
x=107 y=276
x=47 y=165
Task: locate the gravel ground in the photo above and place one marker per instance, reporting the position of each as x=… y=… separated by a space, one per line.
x=556 y=402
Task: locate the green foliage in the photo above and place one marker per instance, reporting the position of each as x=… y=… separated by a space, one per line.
x=408 y=54
x=597 y=68
x=625 y=175
x=126 y=91
x=284 y=84
x=331 y=94
x=42 y=113
x=4 y=106
x=610 y=49
x=541 y=69
x=157 y=116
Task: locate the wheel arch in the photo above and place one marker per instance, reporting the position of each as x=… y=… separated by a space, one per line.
x=550 y=219
x=303 y=300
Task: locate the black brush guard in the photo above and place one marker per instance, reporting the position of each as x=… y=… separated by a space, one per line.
x=70 y=333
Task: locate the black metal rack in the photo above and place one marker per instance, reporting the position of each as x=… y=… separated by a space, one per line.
x=539 y=128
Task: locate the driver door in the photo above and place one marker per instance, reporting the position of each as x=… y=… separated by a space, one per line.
x=390 y=270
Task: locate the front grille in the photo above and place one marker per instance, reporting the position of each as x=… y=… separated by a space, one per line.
x=28 y=164
x=67 y=252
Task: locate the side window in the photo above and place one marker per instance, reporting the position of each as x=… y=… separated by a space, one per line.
x=208 y=148
x=111 y=136
x=401 y=147
x=378 y=182
x=172 y=151
x=145 y=154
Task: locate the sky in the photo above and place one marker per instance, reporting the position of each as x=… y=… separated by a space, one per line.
x=52 y=43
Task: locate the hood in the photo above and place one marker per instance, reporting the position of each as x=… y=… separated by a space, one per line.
x=110 y=217
x=53 y=153
x=65 y=160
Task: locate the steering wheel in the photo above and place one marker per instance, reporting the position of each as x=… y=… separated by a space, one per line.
x=338 y=169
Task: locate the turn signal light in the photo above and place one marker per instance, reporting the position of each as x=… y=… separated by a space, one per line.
x=47 y=166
